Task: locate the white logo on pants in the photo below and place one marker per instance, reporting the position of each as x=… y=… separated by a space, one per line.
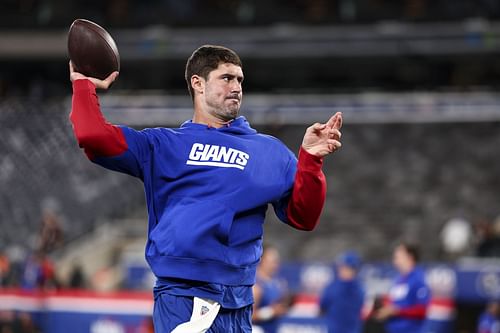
x=202 y=317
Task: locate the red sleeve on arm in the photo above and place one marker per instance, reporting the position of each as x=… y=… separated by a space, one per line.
x=417 y=311
x=92 y=131
x=308 y=194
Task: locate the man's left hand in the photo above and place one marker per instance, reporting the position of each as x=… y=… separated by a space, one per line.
x=323 y=139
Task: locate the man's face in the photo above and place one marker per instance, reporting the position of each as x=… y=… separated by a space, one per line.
x=270 y=261
x=346 y=273
x=402 y=260
x=223 y=91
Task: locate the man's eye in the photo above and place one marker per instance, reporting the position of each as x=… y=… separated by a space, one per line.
x=226 y=79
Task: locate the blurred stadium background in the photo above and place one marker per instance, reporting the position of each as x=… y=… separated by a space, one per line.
x=417 y=81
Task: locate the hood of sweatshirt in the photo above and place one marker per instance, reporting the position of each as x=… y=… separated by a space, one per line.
x=237 y=126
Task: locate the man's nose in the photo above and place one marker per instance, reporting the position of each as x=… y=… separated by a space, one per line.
x=235 y=86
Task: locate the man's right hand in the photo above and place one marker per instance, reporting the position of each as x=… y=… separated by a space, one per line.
x=99 y=84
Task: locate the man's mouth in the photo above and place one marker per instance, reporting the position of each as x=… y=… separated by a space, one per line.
x=235 y=98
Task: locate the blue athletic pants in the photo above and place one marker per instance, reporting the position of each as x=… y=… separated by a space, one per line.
x=171 y=311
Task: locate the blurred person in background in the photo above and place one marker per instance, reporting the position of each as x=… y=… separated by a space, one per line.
x=16 y=256
x=270 y=294
x=77 y=278
x=342 y=300
x=25 y=324
x=39 y=272
x=17 y=322
x=146 y=326
x=456 y=238
x=488 y=238
x=4 y=269
x=405 y=308
x=51 y=233
x=489 y=321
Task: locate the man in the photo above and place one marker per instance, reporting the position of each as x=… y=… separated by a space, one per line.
x=489 y=321
x=406 y=306
x=342 y=300
x=207 y=185
x=270 y=295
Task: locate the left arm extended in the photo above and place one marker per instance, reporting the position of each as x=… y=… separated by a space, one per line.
x=309 y=189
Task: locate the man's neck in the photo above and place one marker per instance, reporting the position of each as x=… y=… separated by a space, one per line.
x=206 y=118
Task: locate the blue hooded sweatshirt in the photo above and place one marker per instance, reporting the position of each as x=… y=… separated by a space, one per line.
x=207 y=191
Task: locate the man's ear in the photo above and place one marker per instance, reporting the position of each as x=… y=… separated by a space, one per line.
x=198 y=84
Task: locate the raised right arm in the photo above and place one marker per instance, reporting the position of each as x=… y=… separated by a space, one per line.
x=94 y=134
x=117 y=148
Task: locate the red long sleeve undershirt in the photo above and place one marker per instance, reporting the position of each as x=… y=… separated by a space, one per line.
x=308 y=193
x=417 y=311
x=93 y=133
x=100 y=138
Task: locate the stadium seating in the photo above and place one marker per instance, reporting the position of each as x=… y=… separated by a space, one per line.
x=41 y=167
x=390 y=181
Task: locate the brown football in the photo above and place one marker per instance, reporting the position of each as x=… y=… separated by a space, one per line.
x=92 y=50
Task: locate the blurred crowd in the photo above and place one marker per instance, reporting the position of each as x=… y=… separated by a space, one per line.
x=32 y=270
x=133 y=13
x=17 y=322
x=460 y=238
x=410 y=305
x=343 y=302
x=30 y=267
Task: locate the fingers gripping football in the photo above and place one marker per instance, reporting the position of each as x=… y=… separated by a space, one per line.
x=99 y=84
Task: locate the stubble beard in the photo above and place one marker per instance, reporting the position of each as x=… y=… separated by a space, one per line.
x=224 y=111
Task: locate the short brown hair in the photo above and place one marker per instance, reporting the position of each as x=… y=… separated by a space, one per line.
x=207 y=58
x=412 y=250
